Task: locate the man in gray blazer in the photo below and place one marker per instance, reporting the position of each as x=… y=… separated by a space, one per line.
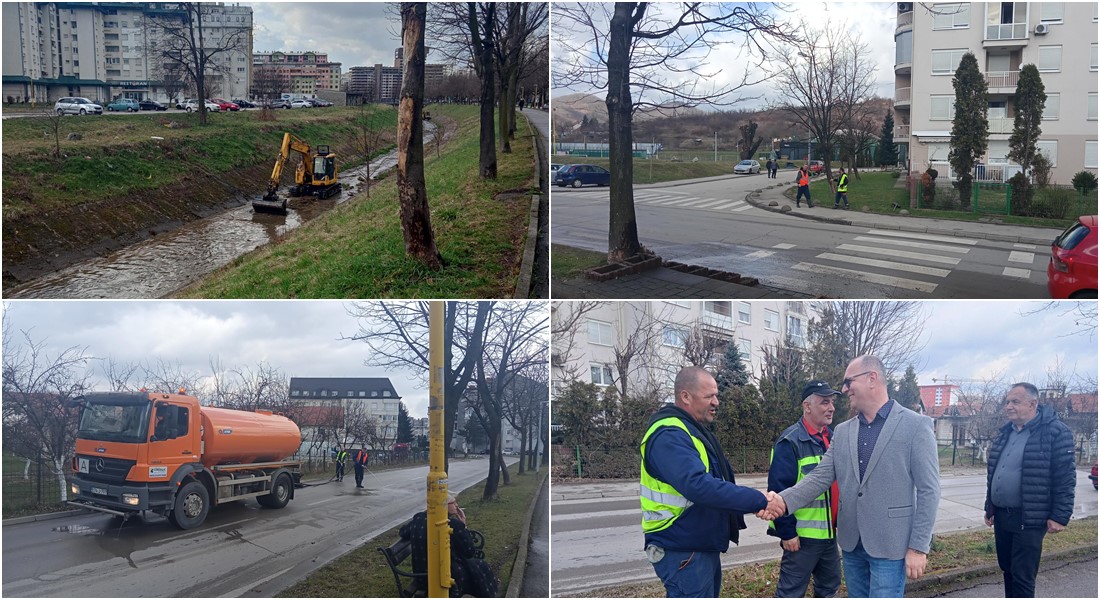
x=886 y=466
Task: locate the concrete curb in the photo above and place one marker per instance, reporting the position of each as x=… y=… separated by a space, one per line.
x=41 y=517
x=912 y=226
x=519 y=567
x=527 y=265
x=950 y=577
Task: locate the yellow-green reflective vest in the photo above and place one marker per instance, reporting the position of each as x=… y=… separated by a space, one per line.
x=815 y=521
x=661 y=503
x=842 y=185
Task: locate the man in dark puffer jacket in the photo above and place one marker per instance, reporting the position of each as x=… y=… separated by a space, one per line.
x=1029 y=486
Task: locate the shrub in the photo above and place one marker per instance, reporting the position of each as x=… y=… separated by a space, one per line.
x=1084 y=181
x=1021 y=194
x=1040 y=170
x=1052 y=203
x=928 y=188
x=895 y=174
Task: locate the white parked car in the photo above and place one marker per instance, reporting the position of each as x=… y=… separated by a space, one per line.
x=193 y=105
x=747 y=166
x=301 y=104
x=70 y=105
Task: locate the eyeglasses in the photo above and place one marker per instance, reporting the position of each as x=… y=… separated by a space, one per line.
x=848 y=380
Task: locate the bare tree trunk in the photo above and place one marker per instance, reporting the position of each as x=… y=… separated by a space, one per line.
x=623 y=225
x=502 y=117
x=483 y=46
x=416 y=221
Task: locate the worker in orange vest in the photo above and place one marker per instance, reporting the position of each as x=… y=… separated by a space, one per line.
x=361 y=461
x=803 y=187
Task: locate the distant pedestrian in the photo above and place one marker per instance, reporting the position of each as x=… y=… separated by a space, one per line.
x=341 y=456
x=775 y=169
x=841 y=189
x=1030 y=484
x=803 y=187
x=769 y=167
x=362 y=459
x=521 y=103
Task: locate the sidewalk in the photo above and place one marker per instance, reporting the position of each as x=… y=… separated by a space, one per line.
x=668 y=283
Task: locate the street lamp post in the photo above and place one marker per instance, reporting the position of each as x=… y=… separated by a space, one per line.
x=715 y=146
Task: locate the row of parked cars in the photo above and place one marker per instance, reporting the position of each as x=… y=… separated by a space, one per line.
x=73 y=105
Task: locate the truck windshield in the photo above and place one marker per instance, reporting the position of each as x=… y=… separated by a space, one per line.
x=115 y=422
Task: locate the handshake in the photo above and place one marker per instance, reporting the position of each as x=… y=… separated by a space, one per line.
x=776 y=507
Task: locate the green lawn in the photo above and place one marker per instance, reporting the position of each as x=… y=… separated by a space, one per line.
x=21 y=496
x=364 y=573
x=568 y=263
x=357 y=250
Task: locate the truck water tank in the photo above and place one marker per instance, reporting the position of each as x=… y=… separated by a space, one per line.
x=237 y=436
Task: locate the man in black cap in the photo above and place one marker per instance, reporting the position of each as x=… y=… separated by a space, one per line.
x=808 y=537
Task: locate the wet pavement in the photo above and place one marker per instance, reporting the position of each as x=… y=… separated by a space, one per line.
x=159 y=266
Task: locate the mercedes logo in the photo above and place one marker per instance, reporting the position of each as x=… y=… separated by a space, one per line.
x=99 y=465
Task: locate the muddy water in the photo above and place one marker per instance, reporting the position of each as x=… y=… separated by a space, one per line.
x=163 y=264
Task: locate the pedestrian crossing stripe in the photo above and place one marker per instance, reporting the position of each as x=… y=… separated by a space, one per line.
x=946 y=260
x=1021 y=257
x=1015 y=272
x=924 y=236
x=889 y=280
x=886 y=264
x=911 y=244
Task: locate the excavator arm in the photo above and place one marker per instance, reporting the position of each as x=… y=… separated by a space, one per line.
x=305 y=168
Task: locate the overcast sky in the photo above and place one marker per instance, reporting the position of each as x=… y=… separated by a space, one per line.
x=875 y=22
x=355 y=34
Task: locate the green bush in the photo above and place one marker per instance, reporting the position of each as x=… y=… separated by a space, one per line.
x=1040 y=170
x=1021 y=194
x=1084 y=181
x=1053 y=203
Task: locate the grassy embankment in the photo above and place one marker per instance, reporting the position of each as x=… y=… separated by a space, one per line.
x=966 y=549
x=120 y=155
x=364 y=573
x=357 y=249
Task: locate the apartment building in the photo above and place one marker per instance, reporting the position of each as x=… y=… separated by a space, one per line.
x=662 y=331
x=1060 y=38
x=107 y=50
x=297 y=72
x=382 y=84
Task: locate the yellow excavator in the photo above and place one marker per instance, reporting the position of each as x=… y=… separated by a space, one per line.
x=316 y=175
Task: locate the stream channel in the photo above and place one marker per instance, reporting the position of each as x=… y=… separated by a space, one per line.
x=160 y=265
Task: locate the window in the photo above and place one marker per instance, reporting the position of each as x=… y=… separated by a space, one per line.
x=601 y=375
x=171 y=422
x=673 y=336
x=744 y=313
x=939 y=396
x=1092 y=106
x=374 y=394
x=296 y=393
x=903 y=48
x=1006 y=20
x=942 y=108
x=795 y=331
x=1092 y=60
x=1050 y=12
x=945 y=62
x=744 y=347
x=951 y=16
x=1052 y=107
x=362 y=394
x=1050 y=58
x=385 y=393
x=771 y=320
x=1090 y=154
x=1050 y=149
x=599 y=333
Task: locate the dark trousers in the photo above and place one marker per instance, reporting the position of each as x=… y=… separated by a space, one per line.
x=339 y=470
x=803 y=189
x=1018 y=552
x=840 y=195
x=774 y=171
x=819 y=558
x=358 y=475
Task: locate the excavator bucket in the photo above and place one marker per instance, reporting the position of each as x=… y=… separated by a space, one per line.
x=270 y=203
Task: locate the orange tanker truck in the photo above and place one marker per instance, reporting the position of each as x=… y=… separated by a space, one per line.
x=151 y=451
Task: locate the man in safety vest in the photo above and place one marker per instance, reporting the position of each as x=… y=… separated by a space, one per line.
x=361 y=461
x=341 y=456
x=691 y=506
x=841 y=189
x=809 y=535
x=803 y=187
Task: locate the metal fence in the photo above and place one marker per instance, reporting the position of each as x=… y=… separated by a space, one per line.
x=993 y=198
x=30 y=486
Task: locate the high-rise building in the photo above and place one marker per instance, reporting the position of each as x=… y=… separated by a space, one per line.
x=296 y=72
x=1059 y=38
x=108 y=50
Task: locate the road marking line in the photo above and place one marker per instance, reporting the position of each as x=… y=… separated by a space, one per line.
x=910 y=244
x=322 y=501
x=910 y=284
x=657 y=200
x=1014 y=272
x=712 y=204
x=1025 y=246
x=924 y=236
x=1021 y=257
x=679 y=202
x=885 y=264
x=760 y=254
x=784 y=246
x=946 y=260
x=729 y=205
x=745 y=207
x=693 y=202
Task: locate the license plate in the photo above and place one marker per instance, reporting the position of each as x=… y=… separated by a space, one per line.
x=99 y=490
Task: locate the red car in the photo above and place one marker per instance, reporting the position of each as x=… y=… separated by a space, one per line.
x=225 y=105
x=817 y=167
x=1092 y=476
x=1072 y=269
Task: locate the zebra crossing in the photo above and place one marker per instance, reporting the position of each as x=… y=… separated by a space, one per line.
x=661 y=197
x=917 y=262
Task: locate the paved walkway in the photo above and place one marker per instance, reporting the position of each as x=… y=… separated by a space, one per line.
x=668 y=283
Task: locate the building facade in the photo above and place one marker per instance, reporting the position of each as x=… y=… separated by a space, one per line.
x=381 y=84
x=665 y=331
x=1060 y=38
x=297 y=72
x=345 y=407
x=106 y=50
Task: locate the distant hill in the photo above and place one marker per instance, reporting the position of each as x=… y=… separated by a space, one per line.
x=682 y=130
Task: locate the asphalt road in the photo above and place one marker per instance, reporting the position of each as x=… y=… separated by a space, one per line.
x=709 y=223
x=597 y=536
x=241 y=550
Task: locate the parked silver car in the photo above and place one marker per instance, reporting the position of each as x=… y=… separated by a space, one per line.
x=747 y=166
x=75 y=105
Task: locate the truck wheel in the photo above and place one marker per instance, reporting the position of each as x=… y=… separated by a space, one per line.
x=191 y=507
x=280 y=493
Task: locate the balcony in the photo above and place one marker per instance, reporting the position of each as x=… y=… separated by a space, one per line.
x=901 y=133
x=717 y=321
x=1005 y=36
x=1001 y=124
x=902 y=97
x=905 y=21
x=1002 y=82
